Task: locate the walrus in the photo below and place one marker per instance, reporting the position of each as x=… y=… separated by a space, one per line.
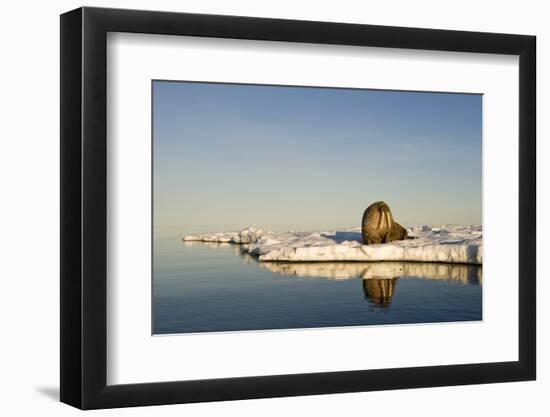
x=378 y=225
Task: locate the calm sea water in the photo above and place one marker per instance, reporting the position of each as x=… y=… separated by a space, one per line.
x=201 y=287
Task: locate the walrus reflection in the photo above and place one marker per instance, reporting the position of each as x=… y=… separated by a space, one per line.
x=379 y=291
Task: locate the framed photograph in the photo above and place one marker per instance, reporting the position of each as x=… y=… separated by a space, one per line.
x=259 y=208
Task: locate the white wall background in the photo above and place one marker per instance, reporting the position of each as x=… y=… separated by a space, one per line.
x=29 y=171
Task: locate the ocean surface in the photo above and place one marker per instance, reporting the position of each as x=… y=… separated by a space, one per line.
x=205 y=287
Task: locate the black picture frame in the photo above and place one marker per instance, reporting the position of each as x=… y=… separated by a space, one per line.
x=84 y=207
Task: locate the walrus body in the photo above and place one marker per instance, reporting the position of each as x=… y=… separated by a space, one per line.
x=378 y=225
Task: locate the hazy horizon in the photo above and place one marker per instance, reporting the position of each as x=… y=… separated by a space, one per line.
x=228 y=156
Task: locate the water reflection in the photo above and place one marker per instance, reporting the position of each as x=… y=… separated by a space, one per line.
x=464 y=274
x=379 y=279
x=379 y=291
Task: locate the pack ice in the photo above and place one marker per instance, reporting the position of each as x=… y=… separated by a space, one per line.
x=450 y=244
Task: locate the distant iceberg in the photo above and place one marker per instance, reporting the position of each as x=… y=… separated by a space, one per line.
x=450 y=244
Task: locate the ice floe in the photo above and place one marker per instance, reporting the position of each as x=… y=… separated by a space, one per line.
x=450 y=244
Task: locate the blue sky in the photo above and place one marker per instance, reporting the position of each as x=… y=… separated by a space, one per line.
x=229 y=155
